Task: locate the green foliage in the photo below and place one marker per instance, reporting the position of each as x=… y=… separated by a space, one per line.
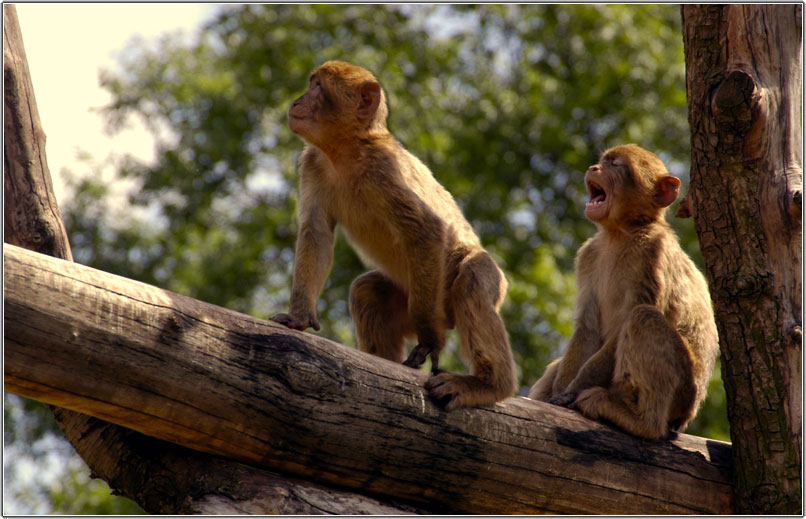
x=508 y=105
x=77 y=494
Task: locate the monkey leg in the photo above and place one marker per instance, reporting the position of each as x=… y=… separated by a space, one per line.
x=596 y=371
x=653 y=383
x=542 y=389
x=380 y=314
x=474 y=297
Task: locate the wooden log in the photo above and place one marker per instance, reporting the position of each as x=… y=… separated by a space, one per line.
x=165 y=478
x=168 y=479
x=229 y=384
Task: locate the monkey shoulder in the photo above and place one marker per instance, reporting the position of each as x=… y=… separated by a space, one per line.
x=391 y=161
x=670 y=254
x=656 y=242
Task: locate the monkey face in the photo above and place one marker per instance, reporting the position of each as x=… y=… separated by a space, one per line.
x=630 y=186
x=342 y=102
x=610 y=183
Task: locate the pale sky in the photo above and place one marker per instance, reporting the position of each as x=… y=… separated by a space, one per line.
x=66 y=46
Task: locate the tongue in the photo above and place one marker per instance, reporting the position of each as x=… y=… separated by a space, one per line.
x=599 y=198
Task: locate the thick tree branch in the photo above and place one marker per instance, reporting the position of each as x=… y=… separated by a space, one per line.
x=228 y=384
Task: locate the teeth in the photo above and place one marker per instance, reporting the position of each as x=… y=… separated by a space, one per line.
x=597 y=202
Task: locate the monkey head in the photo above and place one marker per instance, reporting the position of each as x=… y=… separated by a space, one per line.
x=630 y=186
x=343 y=101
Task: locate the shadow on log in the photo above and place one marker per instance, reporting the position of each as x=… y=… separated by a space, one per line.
x=228 y=384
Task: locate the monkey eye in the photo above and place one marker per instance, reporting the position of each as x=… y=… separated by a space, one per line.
x=614 y=160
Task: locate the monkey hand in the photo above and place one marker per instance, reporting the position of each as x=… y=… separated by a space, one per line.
x=296 y=323
x=562 y=399
x=418 y=355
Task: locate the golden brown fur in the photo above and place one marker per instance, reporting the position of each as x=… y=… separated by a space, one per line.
x=645 y=341
x=432 y=272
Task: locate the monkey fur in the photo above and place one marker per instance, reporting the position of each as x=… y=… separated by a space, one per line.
x=432 y=274
x=645 y=341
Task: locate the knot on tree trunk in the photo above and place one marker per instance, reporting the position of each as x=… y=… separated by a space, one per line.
x=735 y=102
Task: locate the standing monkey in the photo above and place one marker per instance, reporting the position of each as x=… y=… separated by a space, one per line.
x=645 y=340
x=432 y=272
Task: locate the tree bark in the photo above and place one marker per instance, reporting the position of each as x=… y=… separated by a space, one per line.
x=152 y=472
x=744 y=86
x=31 y=215
x=254 y=391
x=164 y=478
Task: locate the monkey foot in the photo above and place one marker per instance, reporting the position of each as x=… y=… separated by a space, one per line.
x=446 y=388
x=451 y=390
x=417 y=356
x=562 y=399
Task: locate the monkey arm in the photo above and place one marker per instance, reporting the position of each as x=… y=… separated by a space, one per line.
x=314 y=257
x=312 y=262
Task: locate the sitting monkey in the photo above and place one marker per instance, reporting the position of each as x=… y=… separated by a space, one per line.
x=432 y=272
x=645 y=340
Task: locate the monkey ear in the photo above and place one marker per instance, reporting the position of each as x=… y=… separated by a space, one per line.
x=666 y=190
x=370 y=99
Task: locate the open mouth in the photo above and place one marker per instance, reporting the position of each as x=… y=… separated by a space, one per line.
x=595 y=208
x=597 y=194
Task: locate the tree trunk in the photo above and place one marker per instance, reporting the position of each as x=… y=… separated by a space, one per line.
x=744 y=86
x=228 y=384
x=31 y=217
x=152 y=472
